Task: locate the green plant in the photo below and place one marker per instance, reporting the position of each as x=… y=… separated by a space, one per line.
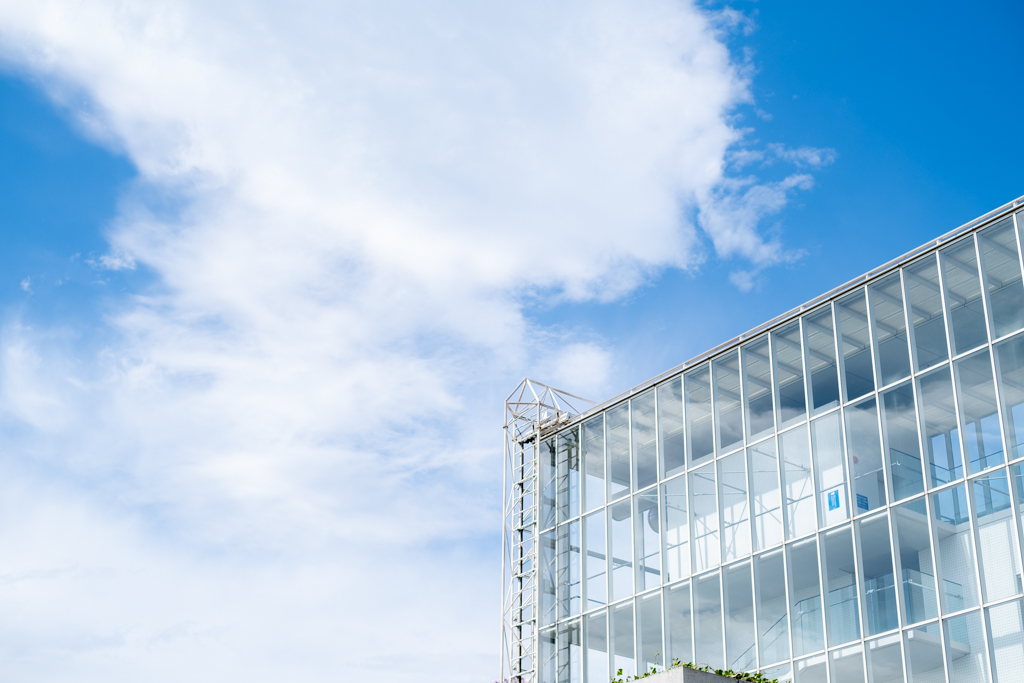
x=756 y=677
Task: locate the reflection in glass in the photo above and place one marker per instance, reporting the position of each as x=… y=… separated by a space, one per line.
x=978 y=405
x=885 y=659
x=648 y=613
x=811 y=670
x=570 y=589
x=890 y=329
x=765 y=494
x=925 y=298
x=783 y=673
x=1006 y=641
x=941 y=433
x=923 y=646
x=619 y=524
x=670 y=426
x=997 y=538
x=1002 y=277
x=741 y=653
x=805 y=598
x=548 y=577
x=821 y=360
x=827 y=446
x=593 y=462
x=789 y=374
x=728 y=416
x=855 y=339
x=876 y=569
x=570 y=653
x=917 y=572
x=1010 y=360
x=732 y=487
x=772 y=622
x=708 y=622
x=847 y=664
x=842 y=606
x=548 y=484
x=700 y=433
x=617 y=424
x=597 y=648
x=623 y=653
x=568 y=473
x=677 y=529
x=548 y=664
x=901 y=437
x=677 y=622
x=596 y=567
x=865 y=451
x=798 y=483
x=648 y=540
x=707 y=551
x=757 y=377
x=963 y=294
x=951 y=524
x=965 y=648
x=1017 y=483
x=645 y=439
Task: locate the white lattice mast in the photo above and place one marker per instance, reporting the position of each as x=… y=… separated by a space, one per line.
x=531 y=412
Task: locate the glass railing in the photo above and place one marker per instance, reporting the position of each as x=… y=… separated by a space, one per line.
x=880 y=603
x=807 y=631
x=906 y=474
x=843 y=621
x=919 y=599
x=954 y=595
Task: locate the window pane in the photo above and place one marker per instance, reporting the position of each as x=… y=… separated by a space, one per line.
x=597 y=560
x=963 y=293
x=648 y=541
x=827 y=446
x=570 y=654
x=548 y=483
x=709 y=622
x=951 y=525
x=923 y=646
x=1010 y=357
x=917 y=571
x=617 y=423
x=923 y=293
x=741 y=652
x=783 y=673
x=677 y=619
x=698 y=413
x=1017 y=482
x=677 y=529
x=941 y=432
x=789 y=374
x=645 y=440
x=1006 y=641
x=886 y=659
x=798 y=482
x=847 y=664
x=855 y=341
x=865 y=450
x=805 y=598
x=670 y=426
x=772 y=624
x=811 y=670
x=732 y=486
x=548 y=665
x=568 y=467
x=727 y=402
x=821 y=360
x=901 y=437
x=978 y=404
x=997 y=537
x=707 y=551
x=1002 y=277
x=548 y=577
x=842 y=606
x=593 y=462
x=876 y=568
x=597 y=648
x=757 y=377
x=766 y=495
x=623 y=653
x=649 y=632
x=570 y=593
x=619 y=523
x=966 y=653
x=890 y=329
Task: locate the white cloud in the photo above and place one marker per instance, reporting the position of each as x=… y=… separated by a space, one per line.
x=367 y=195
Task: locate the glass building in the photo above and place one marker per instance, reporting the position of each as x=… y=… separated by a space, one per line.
x=836 y=496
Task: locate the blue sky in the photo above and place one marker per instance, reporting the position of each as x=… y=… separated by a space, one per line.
x=266 y=277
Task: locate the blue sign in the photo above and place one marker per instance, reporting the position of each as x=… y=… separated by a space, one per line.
x=862 y=502
x=833 y=500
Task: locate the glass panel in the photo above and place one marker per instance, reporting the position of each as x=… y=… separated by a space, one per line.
x=847 y=664
x=623 y=654
x=923 y=646
x=727 y=402
x=621 y=536
x=568 y=467
x=709 y=622
x=876 y=568
x=617 y=423
x=757 y=377
x=645 y=440
x=772 y=624
x=649 y=632
x=548 y=471
x=1006 y=641
x=698 y=414
x=1018 y=486
x=978 y=405
x=677 y=529
x=966 y=653
x=827 y=446
x=732 y=482
x=923 y=293
x=997 y=537
x=783 y=673
x=677 y=620
x=963 y=295
x=1010 y=360
x=741 y=653
x=765 y=494
x=570 y=654
x=951 y=525
x=821 y=360
x=570 y=593
x=548 y=577
x=886 y=659
x=597 y=560
x=805 y=598
x=941 y=433
x=548 y=664
x=648 y=540
x=597 y=648
x=890 y=329
x=917 y=572
x=841 y=579
x=707 y=551
x=865 y=451
x=855 y=340
x=901 y=437
x=811 y=670
x=1002 y=277
x=670 y=426
x=593 y=462
x=789 y=374
x=798 y=483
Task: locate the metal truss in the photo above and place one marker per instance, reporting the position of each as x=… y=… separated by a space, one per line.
x=532 y=411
